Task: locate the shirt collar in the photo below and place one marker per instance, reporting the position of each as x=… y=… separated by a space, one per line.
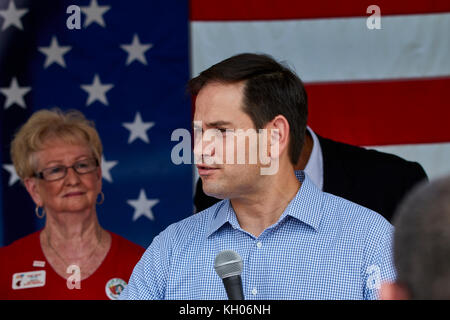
x=306 y=207
x=314 y=167
x=307 y=204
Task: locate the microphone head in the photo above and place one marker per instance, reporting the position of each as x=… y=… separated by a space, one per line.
x=228 y=263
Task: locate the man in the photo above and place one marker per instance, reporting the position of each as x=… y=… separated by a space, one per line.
x=422 y=244
x=296 y=242
x=350 y=172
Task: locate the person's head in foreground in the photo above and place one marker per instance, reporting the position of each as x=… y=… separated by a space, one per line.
x=422 y=244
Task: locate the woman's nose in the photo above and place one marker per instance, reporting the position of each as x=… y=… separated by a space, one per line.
x=72 y=177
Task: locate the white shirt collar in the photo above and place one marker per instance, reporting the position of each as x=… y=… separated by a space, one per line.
x=314 y=167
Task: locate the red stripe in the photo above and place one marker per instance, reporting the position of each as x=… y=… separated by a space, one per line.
x=381 y=112
x=233 y=10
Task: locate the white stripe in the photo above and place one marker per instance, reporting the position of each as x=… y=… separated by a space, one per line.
x=433 y=157
x=336 y=49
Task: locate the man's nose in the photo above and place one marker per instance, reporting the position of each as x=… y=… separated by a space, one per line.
x=203 y=147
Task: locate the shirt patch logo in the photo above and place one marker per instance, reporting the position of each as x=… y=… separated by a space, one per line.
x=25 y=280
x=114 y=287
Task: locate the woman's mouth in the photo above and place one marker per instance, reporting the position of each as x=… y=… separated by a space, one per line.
x=73 y=194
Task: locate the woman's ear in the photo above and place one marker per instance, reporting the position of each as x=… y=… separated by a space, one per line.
x=31 y=184
x=100 y=178
x=99 y=171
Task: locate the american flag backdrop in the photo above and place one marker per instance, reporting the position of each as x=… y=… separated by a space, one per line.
x=127 y=66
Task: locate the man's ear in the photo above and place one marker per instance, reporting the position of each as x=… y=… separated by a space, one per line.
x=394 y=291
x=279 y=133
x=31 y=184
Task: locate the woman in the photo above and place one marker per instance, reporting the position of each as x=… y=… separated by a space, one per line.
x=57 y=157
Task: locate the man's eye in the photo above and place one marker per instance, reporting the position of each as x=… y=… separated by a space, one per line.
x=227 y=131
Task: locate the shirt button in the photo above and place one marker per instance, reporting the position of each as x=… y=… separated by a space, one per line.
x=254 y=291
x=259 y=244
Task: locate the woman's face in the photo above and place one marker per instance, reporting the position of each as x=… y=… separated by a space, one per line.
x=73 y=193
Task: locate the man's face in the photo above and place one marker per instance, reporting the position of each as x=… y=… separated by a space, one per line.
x=219 y=107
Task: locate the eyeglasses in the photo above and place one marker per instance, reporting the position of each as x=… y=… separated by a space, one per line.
x=59 y=172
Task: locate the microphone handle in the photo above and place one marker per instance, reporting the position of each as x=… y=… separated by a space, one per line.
x=233 y=287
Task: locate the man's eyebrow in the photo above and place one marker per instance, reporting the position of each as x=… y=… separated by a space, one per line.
x=219 y=123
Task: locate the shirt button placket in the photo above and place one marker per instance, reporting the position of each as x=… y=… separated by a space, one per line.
x=258 y=246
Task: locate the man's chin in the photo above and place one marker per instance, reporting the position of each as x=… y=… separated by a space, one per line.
x=215 y=194
x=211 y=189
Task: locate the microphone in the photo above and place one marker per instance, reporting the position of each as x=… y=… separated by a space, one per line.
x=228 y=265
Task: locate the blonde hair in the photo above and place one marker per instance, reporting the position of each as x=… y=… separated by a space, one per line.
x=70 y=127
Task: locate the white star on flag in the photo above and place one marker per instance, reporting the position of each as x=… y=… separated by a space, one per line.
x=13 y=177
x=143 y=206
x=54 y=53
x=15 y=94
x=97 y=91
x=94 y=13
x=12 y=16
x=106 y=167
x=136 y=50
x=138 y=129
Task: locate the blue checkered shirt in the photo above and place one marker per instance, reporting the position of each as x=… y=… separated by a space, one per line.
x=322 y=247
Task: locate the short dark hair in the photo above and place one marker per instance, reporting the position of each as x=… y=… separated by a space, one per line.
x=270 y=89
x=422 y=241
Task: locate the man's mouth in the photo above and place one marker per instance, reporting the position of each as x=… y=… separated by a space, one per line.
x=205 y=170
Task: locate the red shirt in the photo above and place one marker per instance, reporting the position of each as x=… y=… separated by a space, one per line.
x=26 y=274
